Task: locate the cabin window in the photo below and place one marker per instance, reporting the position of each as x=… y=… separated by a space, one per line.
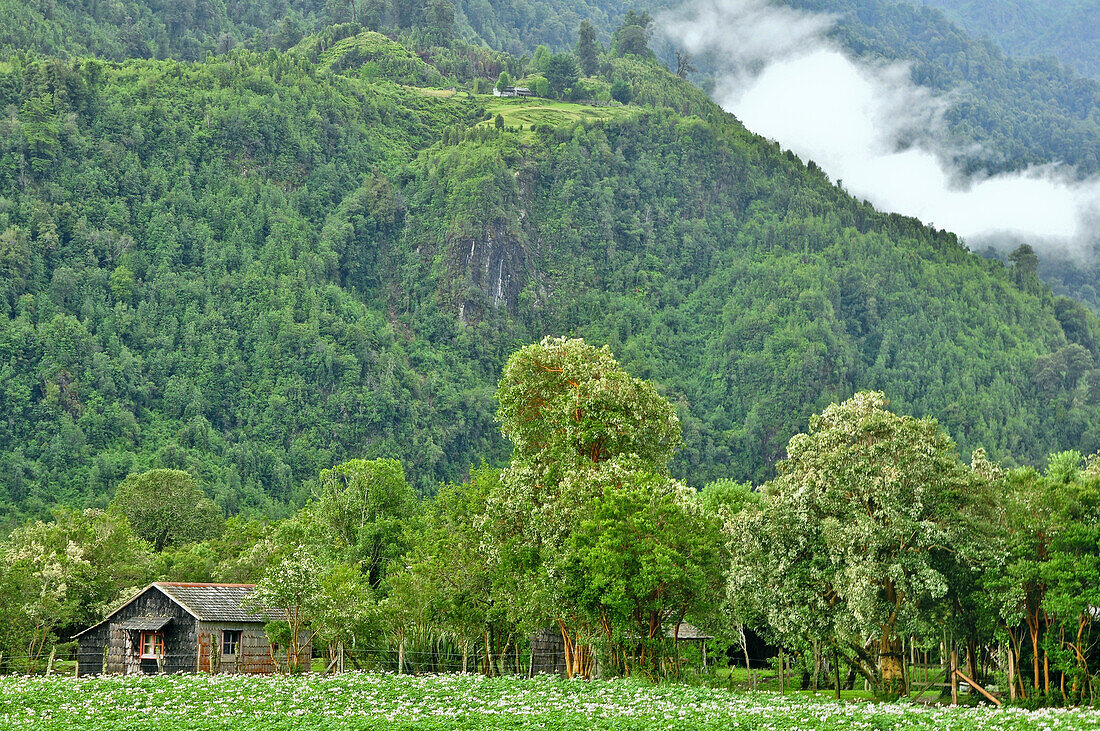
x=152 y=645
x=231 y=641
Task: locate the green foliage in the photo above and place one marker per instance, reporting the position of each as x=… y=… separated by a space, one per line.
x=588 y=487
x=564 y=404
x=365 y=504
x=254 y=268
x=1044 y=589
x=562 y=72
x=1033 y=28
x=167 y=507
x=587 y=49
x=292 y=590
x=621 y=91
x=644 y=560
x=631 y=38
x=451 y=559
x=855 y=537
x=58 y=577
x=372 y=56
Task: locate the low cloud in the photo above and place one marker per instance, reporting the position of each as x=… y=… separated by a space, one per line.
x=871 y=129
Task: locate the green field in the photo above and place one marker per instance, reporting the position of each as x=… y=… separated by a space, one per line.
x=525 y=112
x=370 y=701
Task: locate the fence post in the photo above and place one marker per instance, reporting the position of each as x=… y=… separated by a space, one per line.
x=49 y=664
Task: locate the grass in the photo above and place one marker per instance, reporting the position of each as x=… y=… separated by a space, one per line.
x=520 y=112
x=438 y=93
x=768 y=680
x=385 y=701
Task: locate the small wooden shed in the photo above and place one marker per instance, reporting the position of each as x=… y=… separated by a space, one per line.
x=178 y=627
x=685 y=632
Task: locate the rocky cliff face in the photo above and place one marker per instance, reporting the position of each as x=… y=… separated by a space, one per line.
x=488 y=270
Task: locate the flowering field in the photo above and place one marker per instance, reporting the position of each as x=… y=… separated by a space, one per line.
x=373 y=701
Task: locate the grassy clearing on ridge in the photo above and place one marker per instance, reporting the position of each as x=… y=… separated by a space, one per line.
x=526 y=112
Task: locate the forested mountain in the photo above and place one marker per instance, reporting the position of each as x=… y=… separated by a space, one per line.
x=189 y=30
x=259 y=265
x=1014 y=112
x=1021 y=111
x=1068 y=31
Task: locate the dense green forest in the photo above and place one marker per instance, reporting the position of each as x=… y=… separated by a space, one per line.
x=190 y=30
x=274 y=308
x=1020 y=110
x=875 y=546
x=259 y=265
x=1067 y=31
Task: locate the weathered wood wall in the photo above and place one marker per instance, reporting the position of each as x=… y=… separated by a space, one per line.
x=254 y=655
x=122 y=650
x=548 y=653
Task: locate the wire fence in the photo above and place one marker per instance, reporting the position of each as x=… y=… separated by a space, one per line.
x=67 y=660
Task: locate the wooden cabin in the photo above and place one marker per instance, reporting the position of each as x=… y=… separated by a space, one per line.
x=177 y=627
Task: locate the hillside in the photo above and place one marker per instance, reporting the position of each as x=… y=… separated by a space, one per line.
x=1021 y=111
x=255 y=267
x=1068 y=31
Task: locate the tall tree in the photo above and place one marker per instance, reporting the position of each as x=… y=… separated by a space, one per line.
x=293 y=590
x=167 y=507
x=439 y=19
x=855 y=531
x=366 y=504
x=580 y=427
x=586 y=50
x=632 y=36
x=648 y=558
x=562 y=73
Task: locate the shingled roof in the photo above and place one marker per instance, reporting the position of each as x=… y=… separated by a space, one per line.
x=215 y=602
x=687 y=633
x=204 y=602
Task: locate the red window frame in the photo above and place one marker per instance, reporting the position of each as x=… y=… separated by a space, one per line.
x=151 y=645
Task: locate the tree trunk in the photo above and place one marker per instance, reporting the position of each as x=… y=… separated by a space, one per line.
x=971 y=658
x=568 y=649
x=1011 y=673
x=745 y=649
x=488 y=656
x=954 y=678
x=1033 y=630
x=836 y=672
x=1046 y=673
x=890 y=665
x=782 y=687
x=817 y=666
